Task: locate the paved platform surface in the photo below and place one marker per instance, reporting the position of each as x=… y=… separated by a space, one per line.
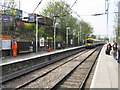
x=106 y=72
x=10 y=60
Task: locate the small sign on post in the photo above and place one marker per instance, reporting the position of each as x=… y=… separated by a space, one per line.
x=5 y=42
x=42 y=41
x=49 y=38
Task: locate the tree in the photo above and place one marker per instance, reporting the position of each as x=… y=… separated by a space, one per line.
x=86 y=30
x=60 y=12
x=93 y=36
x=41 y=32
x=117 y=21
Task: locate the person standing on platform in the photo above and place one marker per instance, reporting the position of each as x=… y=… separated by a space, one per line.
x=108 y=49
x=114 y=46
x=48 y=49
x=14 y=48
x=59 y=46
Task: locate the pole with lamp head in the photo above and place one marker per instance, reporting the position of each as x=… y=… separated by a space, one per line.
x=54 y=24
x=36 y=33
x=37 y=26
x=67 y=30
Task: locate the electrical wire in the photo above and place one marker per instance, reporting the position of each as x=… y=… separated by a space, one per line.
x=37 y=6
x=74 y=4
x=107 y=4
x=63 y=8
x=72 y=9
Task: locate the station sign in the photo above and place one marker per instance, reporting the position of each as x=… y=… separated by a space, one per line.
x=49 y=38
x=4 y=18
x=31 y=17
x=15 y=12
x=5 y=42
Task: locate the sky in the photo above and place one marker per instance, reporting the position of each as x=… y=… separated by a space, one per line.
x=84 y=8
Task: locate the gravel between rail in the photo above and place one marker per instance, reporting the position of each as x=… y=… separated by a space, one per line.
x=18 y=82
x=78 y=78
x=57 y=71
x=51 y=79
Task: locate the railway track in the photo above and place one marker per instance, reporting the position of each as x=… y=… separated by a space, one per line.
x=51 y=75
x=28 y=77
x=78 y=77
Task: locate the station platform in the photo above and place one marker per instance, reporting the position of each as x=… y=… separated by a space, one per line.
x=20 y=58
x=106 y=72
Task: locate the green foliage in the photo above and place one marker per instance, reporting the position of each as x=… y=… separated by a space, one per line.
x=106 y=39
x=59 y=38
x=93 y=36
x=28 y=26
x=117 y=34
x=117 y=22
x=62 y=13
x=86 y=30
x=41 y=32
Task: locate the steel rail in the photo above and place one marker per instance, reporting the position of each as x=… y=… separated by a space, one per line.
x=54 y=87
x=87 y=75
x=32 y=80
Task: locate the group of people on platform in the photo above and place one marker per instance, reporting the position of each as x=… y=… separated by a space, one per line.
x=114 y=50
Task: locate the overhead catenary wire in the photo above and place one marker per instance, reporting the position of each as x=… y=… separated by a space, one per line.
x=70 y=8
x=107 y=4
x=74 y=4
x=63 y=8
x=37 y=5
x=96 y=14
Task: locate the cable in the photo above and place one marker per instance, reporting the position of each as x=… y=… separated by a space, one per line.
x=37 y=6
x=107 y=4
x=74 y=4
x=62 y=7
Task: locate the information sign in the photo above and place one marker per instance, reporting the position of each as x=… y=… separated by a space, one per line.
x=42 y=41
x=5 y=42
x=49 y=38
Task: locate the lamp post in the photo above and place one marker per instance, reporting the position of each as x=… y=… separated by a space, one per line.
x=80 y=34
x=36 y=33
x=68 y=28
x=78 y=38
x=73 y=37
x=54 y=23
x=54 y=35
x=55 y=31
x=106 y=12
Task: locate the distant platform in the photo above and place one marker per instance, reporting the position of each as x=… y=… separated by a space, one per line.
x=106 y=72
